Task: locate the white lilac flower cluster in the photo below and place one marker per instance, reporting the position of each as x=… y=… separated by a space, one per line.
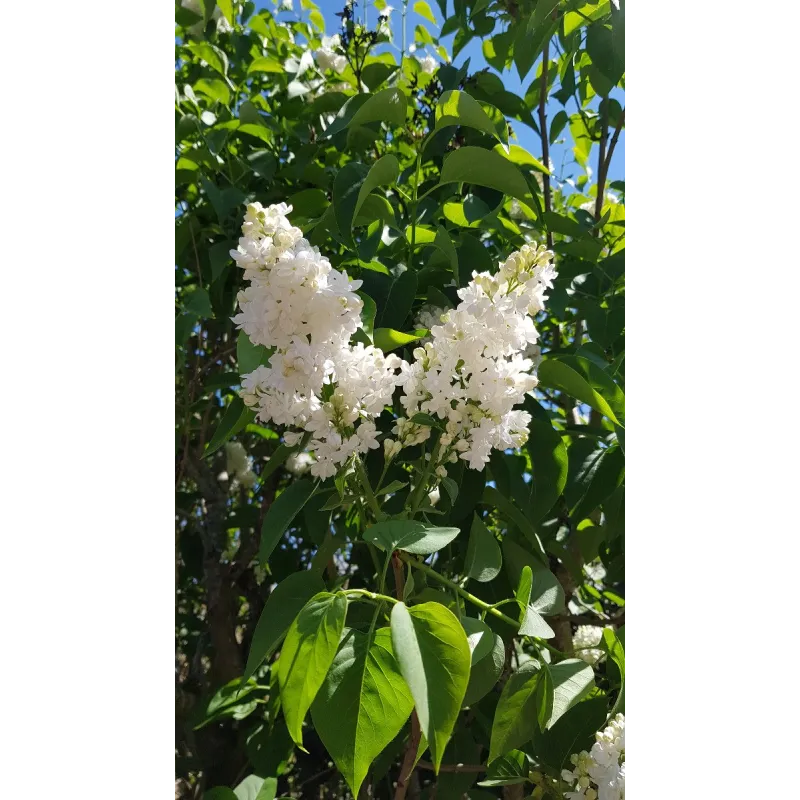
x=239 y=465
x=328 y=58
x=600 y=774
x=316 y=381
x=473 y=371
x=584 y=642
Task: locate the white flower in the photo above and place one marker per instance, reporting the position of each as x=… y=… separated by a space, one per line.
x=326 y=56
x=391 y=448
x=286 y=5
x=427 y=64
x=239 y=465
x=473 y=371
x=587 y=636
x=600 y=774
x=316 y=380
x=434 y=496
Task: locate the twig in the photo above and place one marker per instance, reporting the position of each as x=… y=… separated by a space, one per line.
x=605 y=159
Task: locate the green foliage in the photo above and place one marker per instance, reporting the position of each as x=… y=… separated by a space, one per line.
x=296 y=595
x=434 y=658
x=307 y=653
x=363 y=703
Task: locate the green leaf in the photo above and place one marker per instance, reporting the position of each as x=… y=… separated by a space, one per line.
x=235 y=418
x=566 y=226
x=388 y=339
x=249 y=355
x=484 y=168
x=480 y=638
x=283 y=605
x=558 y=124
x=434 y=658
x=460 y=108
x=373 y=75
x=226 y=7
x=520 y=156
x=282 y=452
x=317 y=20
x=531 y=622
x=484 y=559
x=424 y=10
x=598 y=481
x=346 y=190
x=409 y=535
x=421 y=418
x=493 y=499
x=420 y=234
x=472 y=255
x=208 y=9
x=362 y=705
x=524 y=54
x=573 y=679
x=451 y=487
x=307 y=654
x=387 y=105
x=546 y=594
x=572 y=733
x=254 y=787
x=280 y=515
x=213 y=56
x=549 y=467
x=544 y=696
x=508 y=770
x=605 y=56
x=394 y=486
x=557 y=375
x=199 y=303
x=368 y=312
x=383 y=172
x=485 y=672
x=444 y=243
x=599 y=380
x=515 y=718
x=613 y=645
x=265 y=64
x=214 y=89
x=399 y=302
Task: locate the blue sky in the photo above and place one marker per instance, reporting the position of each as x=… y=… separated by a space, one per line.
x=561 y=155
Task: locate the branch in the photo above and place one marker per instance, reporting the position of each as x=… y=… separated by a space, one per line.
x=605 y=159
x=544 y=137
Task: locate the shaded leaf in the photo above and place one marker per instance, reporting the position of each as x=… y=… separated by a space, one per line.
x=283 y=605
